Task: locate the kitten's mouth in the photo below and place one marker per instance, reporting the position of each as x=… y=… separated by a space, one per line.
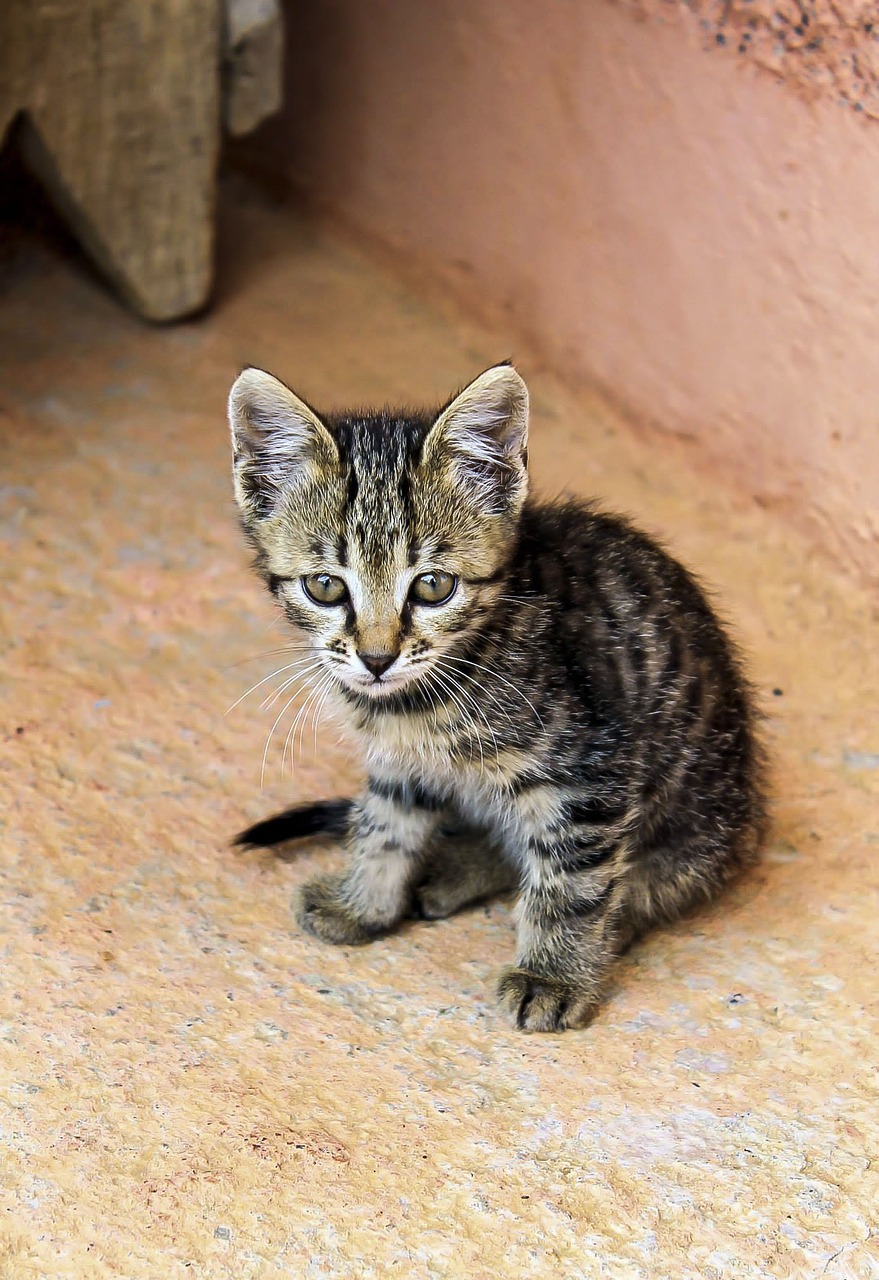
x=379 y=686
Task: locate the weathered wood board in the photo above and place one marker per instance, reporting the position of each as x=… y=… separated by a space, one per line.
x=121 y=112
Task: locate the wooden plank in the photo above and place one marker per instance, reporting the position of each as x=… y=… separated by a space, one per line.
x=253 y=81
x=121 y=101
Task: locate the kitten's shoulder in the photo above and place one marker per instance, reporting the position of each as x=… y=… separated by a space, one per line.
x=598 y=546
x=573 y=522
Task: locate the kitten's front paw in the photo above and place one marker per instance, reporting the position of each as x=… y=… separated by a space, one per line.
x=321 y=911
x=537 y=1003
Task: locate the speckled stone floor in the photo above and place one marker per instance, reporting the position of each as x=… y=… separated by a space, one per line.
x=190 y=1087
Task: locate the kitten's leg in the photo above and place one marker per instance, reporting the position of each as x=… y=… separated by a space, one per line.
x=464 y=867
x=568 y=915
x=668 y=879
x=391 y=825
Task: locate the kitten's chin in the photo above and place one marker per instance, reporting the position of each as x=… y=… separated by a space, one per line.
x=381 y=688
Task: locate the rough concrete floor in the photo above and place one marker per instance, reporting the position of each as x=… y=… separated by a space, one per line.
x=190 y=1087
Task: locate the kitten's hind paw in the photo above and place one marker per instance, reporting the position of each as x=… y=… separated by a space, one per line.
x=437 y=899
x=321 y=911
x=538 y=1003
x=462 y=877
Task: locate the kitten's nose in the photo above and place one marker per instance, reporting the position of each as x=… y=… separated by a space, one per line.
x=377 y=663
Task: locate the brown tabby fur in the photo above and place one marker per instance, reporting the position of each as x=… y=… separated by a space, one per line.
x=572 y=724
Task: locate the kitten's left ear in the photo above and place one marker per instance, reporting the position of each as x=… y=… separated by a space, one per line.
x=484 y=433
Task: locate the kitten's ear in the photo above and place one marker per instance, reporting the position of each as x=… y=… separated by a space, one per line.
x=484 y=434
x=275 y=435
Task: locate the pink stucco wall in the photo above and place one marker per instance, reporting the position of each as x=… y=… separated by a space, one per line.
x=649 y=208
x=822 y=49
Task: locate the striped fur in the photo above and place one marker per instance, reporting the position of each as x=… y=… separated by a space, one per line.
x=573 y=723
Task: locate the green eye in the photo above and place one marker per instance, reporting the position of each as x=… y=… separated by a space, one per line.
x=324 y=588
x=433 y=587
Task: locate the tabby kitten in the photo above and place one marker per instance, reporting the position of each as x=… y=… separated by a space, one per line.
x=544 y=697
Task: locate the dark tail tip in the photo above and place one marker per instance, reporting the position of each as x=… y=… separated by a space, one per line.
x=323 y=818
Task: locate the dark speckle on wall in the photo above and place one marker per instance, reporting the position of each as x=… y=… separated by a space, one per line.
x=820 y=48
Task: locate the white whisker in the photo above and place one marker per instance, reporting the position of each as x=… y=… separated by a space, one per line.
x=320 y=689
x=471 y=701
x=267 y=653
x=320 y=710
x=265 y=679
x=521 y=600
x=469 y=723
x=271 y=698
x=430 y=693
x=482 y=689
x=314 y=686
x=262 y=771
x=494 y=674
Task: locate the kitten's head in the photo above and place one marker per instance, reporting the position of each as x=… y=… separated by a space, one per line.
x=383 y=535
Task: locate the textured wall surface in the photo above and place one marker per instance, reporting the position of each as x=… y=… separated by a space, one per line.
x=821 y=48
x=652 y=211
x=191 y=1088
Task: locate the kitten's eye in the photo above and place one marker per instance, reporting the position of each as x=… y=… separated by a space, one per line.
x=325 y=588
x=433 y=587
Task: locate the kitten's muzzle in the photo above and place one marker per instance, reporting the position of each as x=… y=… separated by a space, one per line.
x=377 y=663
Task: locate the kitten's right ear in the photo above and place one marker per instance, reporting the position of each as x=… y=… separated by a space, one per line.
x=275 y=435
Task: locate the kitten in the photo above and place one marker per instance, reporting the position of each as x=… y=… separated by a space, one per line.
x=544 y=697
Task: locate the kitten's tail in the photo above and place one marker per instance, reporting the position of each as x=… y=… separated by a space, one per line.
x=322 y=818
